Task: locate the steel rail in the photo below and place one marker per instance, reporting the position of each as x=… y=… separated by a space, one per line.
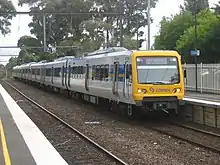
x=195 y=129
x=118 y=160
x=216 y=150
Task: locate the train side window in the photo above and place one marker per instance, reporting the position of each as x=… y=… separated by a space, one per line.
x=130 y=72
x=50 y=71
x=63 y=72
x=102 y=71
x=37 y=71
x=127 y=71
x=57 y=72
x=73 y=71
x=81 y=71
x=121 y=67
x=76 y=72
x=106 y=72
x=93 y=72
x=97 y=72
x=47 y=72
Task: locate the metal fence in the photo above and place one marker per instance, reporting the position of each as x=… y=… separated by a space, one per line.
x=208 y=76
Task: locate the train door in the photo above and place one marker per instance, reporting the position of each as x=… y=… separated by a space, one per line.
x=115 y=79
x=87 y=77
x=63 y=75
x=52 y=74
x=69 y=75
x=41 y=74
x=35 y=73
x=127 y=80
x=66 y=69
x=44 y=73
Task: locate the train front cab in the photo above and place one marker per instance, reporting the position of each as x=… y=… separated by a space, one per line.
x=158 y=80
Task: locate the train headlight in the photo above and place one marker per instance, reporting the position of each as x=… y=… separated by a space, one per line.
x=142 y=91
x=139 y=90
x=176 y=90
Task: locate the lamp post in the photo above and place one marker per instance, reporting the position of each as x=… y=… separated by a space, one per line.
x=195 y=42
x=148 y=24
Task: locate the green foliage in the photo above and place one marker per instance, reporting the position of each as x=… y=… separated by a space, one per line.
x=6 y=6
x=75 y=50
x=85 y=32
x=27 y=41
x=171 y=29
x=12 y=62
x=186 y=42
x=195 y=5
x=59 y=27
x=178 y=33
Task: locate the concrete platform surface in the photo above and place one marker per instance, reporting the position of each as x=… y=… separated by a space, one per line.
x=203 y=96
x=21 y=141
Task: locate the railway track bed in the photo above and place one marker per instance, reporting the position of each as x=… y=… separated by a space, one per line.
x=132 y=142
x=198 y=137
x=83 y=149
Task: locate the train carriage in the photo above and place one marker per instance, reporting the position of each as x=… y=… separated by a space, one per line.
x=57 y=71
x=36 y=72
x=147 y=80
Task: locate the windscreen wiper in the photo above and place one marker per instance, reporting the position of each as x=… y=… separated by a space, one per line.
x=154 y=82
x=158 y=82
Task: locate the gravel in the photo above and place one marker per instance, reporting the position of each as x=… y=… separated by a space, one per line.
x=205 y=139
x=70 y=146
x=132 y=143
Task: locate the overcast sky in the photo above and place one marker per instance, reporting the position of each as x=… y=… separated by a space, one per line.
x=20 y=24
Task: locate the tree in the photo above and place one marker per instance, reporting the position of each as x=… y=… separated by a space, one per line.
x=129 y=43
x=6 y=6
x=191 y=5
x=25 y=57
x=134 y=15
x=171 y=29
x=206 y=22
x=217 y=8
x=11 y=63
x=28 y=41
x=73 y=51
x=93 y=30
x=60 y=28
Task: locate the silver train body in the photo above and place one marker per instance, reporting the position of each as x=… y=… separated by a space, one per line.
x=113 y=75
x=90 y=75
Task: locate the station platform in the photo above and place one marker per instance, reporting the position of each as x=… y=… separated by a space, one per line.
x=202 y=96
x=21 y=141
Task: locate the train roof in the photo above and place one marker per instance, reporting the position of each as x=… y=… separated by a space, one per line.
x=109 y=52
x=64 y=58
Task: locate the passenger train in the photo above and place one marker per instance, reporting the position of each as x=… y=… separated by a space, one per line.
x=135 y=81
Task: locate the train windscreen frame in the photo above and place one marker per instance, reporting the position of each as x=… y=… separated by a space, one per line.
x=157 y=70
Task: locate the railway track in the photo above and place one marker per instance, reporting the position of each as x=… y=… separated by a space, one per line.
x=113 y=158
x=168 y=128
x=195 y=129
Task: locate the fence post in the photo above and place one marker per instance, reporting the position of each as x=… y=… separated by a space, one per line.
x=185 y=78
x=201 y=78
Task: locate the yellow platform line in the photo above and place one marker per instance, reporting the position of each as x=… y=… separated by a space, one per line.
x=4 y=145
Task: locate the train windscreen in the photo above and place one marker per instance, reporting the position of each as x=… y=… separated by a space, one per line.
x=157 y=70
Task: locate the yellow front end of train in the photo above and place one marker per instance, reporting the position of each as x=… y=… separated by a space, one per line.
x=158 y=79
